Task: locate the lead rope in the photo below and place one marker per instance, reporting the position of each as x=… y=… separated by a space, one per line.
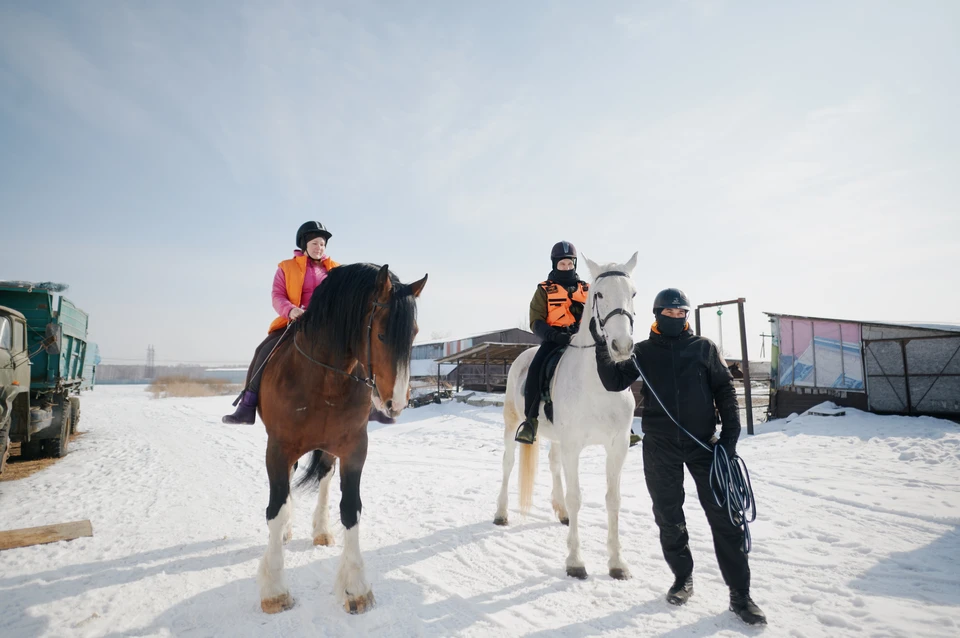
x=729 y=479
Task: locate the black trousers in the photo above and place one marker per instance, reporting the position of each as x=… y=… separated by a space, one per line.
x=532 y=389
x=255 y=371
x=663 y=459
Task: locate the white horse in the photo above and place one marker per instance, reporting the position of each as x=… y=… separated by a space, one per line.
x=584 y=414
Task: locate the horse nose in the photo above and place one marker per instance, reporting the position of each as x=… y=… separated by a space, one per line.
x=621 y=347
x=389 y=405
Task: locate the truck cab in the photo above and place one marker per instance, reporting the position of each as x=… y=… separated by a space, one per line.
x=14 y=373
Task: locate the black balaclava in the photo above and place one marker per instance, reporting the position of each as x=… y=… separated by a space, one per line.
x=564 y=277
x=670 y=326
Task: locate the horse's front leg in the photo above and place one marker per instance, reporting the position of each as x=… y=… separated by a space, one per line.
x=556 y=497
x=274 y=595
x=616 y=456
x=571 y=471
x=321 y=515
x=352 y=587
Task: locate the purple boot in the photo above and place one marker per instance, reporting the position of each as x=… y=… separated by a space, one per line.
x=246 y=412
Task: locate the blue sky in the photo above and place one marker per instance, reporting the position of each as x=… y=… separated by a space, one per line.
x=158 y=157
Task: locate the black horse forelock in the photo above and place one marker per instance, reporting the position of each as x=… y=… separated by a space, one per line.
x=336 y=320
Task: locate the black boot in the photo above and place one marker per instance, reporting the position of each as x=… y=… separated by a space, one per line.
x=527 y=432
x=681 y=591
x=743 y=606
x=246 y=412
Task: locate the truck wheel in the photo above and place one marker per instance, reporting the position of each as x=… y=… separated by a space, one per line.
x=31 y=450
x=57 y=448
x=75 y=411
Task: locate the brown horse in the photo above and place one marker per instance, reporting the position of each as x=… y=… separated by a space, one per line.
x=349 y=350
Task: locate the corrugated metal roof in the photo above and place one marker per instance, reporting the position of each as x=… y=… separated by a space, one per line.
x=944 y=327
x=465 y=337
x=494 y=352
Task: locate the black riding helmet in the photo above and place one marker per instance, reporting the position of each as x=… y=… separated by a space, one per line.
x=308 y=231
x=563 y=250
x=671 y=298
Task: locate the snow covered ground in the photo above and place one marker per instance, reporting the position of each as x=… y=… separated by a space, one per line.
x=858 y=534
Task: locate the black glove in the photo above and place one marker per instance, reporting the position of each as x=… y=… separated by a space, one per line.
x=729 y=445
x=560 y=337
x=573 y=328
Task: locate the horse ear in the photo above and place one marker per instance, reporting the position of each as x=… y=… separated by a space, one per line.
x=630 y=265
x=592 y=267
x=384 y=285
x=417 y=286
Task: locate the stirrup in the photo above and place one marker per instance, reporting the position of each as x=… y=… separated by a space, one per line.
x=533 y=434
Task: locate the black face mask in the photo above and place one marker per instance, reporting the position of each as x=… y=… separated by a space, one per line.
x=670 y=326
x=564 y=277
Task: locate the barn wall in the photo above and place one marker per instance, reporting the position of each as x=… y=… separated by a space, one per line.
x=914 y=375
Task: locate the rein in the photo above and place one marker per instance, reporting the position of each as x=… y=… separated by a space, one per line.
x=371 y=379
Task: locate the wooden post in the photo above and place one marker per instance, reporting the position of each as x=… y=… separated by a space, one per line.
x=746 y=367
x=486 y=376
x=458 y=375
x=696 y=316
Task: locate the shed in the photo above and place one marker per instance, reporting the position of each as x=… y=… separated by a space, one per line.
x=882 y=367
x=485 y=365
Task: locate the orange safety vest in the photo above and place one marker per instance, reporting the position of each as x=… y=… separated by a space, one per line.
x=559 y=302
x=295 y=273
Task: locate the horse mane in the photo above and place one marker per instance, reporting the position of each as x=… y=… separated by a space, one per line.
x=335 y=320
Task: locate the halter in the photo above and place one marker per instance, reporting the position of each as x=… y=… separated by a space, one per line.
x=615 y=311
x=371 y=380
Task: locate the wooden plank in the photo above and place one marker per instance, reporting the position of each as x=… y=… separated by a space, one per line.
x=45 y=534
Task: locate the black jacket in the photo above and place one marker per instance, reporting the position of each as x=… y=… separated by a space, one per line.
x=688 y=375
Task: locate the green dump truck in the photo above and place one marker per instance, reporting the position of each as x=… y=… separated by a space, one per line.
x=45 y=361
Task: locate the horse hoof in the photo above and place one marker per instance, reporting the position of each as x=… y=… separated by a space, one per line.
x=579 y=573
x=565 y=521
x=500 y=520
x=620 y=573
x=276 y=604
x=359 y=604
x=324 y=539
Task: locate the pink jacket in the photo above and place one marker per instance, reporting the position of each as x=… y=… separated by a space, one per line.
x=315 y=274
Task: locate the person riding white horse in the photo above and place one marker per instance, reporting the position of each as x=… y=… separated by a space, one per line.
x=584 y=414
x=555 y=312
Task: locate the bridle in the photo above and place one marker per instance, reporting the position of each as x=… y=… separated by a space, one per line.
x=371 y=379
x=615 y=311
x=612 y=313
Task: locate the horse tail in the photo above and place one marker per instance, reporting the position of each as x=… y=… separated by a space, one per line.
x=529 y=458
x=320 y=464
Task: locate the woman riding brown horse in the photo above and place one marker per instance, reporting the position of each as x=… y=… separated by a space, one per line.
x=294 y=283
x=350 y=349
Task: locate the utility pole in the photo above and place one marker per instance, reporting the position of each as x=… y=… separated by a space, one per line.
x=151 y=370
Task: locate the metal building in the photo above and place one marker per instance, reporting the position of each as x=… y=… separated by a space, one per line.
x=887 y=368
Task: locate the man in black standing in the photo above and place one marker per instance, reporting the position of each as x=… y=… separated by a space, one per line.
x=689 y=375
